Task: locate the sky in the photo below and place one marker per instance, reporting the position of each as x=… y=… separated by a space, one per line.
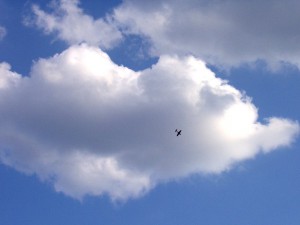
x=91 y=93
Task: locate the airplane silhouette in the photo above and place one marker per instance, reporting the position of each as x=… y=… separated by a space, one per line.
x=178 y=132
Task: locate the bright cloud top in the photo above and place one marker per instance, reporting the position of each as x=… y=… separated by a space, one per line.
x=2 y=32
x=70 y=23
x=92 y=127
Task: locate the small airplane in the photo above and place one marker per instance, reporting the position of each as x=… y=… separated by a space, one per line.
x=178 y=132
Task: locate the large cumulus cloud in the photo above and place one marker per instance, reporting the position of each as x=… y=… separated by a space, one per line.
x=92 y=127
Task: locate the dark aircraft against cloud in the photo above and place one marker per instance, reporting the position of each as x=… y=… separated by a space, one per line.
x=178 y=132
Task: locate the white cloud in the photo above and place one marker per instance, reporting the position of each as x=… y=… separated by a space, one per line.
x=2 y=32
x=224 y=33
x=220 y=32
x=70 y=23
x=92 y=127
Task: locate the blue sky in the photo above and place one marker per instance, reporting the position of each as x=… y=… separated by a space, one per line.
x=91 y=93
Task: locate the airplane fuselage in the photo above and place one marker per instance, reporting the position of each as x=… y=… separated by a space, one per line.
x=178 y=132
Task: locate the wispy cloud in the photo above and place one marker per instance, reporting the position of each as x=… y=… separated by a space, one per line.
x=72 y=25
x=92 y=127
x=2 y=32
x=225 y=33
